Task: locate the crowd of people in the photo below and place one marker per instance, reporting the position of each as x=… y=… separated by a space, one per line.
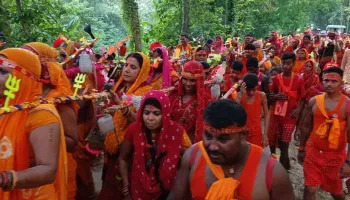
x=184 y=122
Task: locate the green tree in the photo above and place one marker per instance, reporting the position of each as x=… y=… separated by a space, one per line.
x=131 y=17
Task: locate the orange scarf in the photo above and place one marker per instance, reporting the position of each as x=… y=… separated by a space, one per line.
x=223 y=188
x=120 y=122
x=299 y=64
x=333 y=123
x=287 y=90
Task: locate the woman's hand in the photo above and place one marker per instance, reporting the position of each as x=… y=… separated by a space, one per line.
x=115 y=97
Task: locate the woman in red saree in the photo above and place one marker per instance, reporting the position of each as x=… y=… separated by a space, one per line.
x=189 y=100
x=155 y=144
x=310 y=75
x=311 y=79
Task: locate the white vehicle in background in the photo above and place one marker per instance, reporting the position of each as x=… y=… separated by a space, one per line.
x=336 y=28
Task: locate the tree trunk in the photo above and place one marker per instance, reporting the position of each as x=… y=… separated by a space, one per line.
x=19 y=6
x=185 y=18
x=347 y=16
x=342 y=15
x=226 y=12
x=131 y=18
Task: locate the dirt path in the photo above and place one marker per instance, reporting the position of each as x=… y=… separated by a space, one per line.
x=297 y=176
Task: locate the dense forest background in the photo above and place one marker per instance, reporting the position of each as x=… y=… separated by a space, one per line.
x=164 y=20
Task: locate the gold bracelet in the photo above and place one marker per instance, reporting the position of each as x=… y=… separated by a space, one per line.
x=127 y=112
x=124 y=110
x=14 y=180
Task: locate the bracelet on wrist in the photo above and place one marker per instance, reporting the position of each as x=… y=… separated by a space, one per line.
x=6 y=180
x=11 y=182
x=125 y=190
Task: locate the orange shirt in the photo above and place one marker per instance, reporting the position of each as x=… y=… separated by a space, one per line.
x=322 y=144
x=247 y=178
x=43 y=115
x=188 y=49
x=40 y=116
x=254 y=111
x=244 y=70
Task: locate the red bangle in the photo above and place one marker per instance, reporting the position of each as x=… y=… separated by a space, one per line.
x=301 y=149
x=8 y=180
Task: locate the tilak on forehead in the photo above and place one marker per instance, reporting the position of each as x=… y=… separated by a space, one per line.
x=227 y=130
x=332 y=76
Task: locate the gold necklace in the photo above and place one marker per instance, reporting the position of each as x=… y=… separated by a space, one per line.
x=232 y=170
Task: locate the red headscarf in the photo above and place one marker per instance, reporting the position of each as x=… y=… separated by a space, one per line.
x=155 y=45
x=311 y=78
x=330 y=64
x=57 y=43
x=194 y=69
x=145 y=185
x=219 y=48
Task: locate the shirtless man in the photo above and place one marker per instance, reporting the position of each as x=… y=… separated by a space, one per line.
x=225 y=166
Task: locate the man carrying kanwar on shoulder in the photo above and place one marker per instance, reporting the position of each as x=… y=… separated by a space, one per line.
x=225 y=166
x=324 y=135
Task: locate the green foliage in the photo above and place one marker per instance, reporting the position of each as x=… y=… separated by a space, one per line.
x=161 y=20
x=44 y=20
x=34 y=21
x=167 y=27
x=259 y=17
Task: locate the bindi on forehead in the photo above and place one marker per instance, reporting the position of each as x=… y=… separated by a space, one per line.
x=151 y=108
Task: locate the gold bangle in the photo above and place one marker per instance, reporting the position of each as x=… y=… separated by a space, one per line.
x=127 y=112
x=124 y=110
x=14 y=180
